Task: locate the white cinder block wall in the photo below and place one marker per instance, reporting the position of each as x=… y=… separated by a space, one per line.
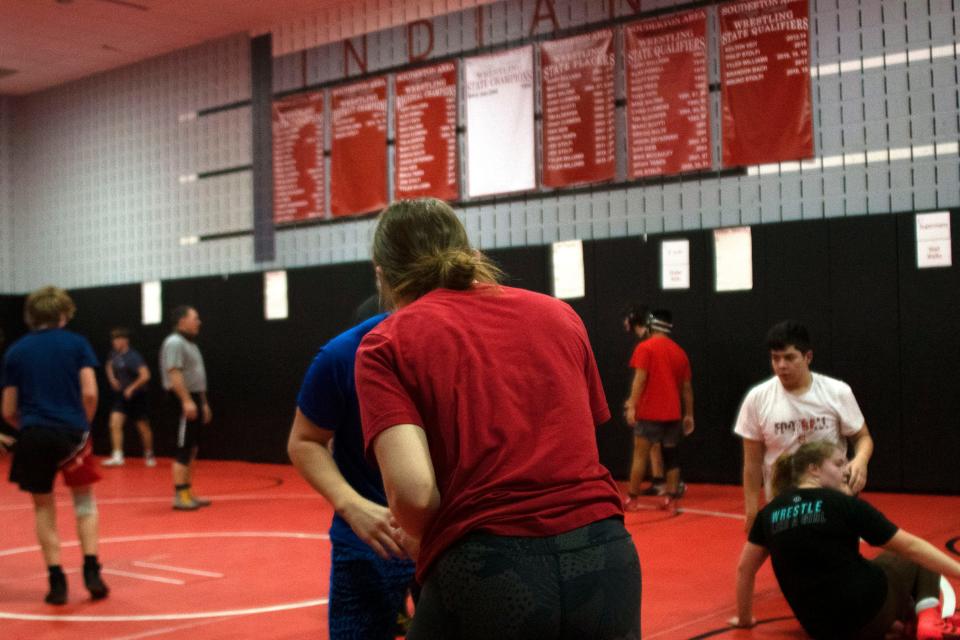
x=6 y=200
x=96 y=164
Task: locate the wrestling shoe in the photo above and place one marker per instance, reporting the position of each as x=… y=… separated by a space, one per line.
x=632 y=505
x=94 y=583
x=655 y=489
x=185 y=504
x=114 y=461
x=202 y=502
x=58 y=589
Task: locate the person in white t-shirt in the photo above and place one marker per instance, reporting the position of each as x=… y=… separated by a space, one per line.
x=795 y=406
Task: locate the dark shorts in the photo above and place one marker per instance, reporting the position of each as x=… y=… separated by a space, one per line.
x=136 y=408
x=366 y=593
x=669 y=432
x=581 y=584
x=188 y=431
x=40 y=453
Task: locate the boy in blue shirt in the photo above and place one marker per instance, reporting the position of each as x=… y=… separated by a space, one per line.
x=370 y=573
x=50 y=396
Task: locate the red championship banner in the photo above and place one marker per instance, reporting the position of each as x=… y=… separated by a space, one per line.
x=426 y=133
x=358 y=154
x=668 y=111
x=298 y=188
x=765 y=66
x=578 y=109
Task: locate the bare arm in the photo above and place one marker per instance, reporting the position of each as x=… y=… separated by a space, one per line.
x=309 y=451
x=88 y=391
x=686 y=397
x=112 y=379
x=753 y=451
x=408 y=476
x=863 y=449
x=9 y=410
x=636 y=390
x=751 y=559
x=143 y=377
x=179 y=387
x=923 y=553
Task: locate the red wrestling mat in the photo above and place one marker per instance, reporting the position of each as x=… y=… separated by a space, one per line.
x=256 y=563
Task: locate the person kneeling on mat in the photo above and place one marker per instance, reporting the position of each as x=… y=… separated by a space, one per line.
x=811 y=530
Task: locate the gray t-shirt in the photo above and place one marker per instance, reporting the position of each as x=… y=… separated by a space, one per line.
x=179 y=353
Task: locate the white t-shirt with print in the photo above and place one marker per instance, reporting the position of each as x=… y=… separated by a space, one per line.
x=783 y=421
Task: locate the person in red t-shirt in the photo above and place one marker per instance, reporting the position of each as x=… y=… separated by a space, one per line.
x=480 y=403
x=660 y=406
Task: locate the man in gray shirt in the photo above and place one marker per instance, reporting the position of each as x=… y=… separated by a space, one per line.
x=183 y=374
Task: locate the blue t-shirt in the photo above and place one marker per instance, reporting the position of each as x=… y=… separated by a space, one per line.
x=126 y=367
x=328 y=396
x=45 y=366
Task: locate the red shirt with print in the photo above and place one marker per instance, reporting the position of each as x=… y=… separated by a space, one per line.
x=504 y=383
x=667 y=369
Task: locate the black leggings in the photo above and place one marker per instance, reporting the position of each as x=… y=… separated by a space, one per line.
x=581 y=584
x=907 y=584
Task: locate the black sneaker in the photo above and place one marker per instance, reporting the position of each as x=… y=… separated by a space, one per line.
x=58 y=590
x=95 y=585
x=653 y=490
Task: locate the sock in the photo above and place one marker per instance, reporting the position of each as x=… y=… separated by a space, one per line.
x=117 y=454
x=927 y=603
x=91 y=561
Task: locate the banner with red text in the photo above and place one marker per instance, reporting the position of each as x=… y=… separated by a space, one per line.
x=668 y=111
x=425 y=108
x=765 y=67
x=298 y=172
x=576 y=87
x=358 y=153
x=500 y=130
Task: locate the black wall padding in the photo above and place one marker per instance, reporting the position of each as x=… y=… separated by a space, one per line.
x=876 y=321
x=929 y=376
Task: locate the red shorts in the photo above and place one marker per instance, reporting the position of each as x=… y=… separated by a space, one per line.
x=80 y=469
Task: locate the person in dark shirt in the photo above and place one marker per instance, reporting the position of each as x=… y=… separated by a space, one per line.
x=128 y=375
x=50 y=396
x=811 y=531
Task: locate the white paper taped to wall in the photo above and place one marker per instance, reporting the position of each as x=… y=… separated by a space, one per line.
x=568 y=280
x=733 y=251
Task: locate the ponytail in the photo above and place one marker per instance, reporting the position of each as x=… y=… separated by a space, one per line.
x=421 y=245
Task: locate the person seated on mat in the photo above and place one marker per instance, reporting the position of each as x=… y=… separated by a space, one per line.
x=811 y=530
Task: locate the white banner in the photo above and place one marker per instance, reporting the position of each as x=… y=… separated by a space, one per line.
x=500 y=133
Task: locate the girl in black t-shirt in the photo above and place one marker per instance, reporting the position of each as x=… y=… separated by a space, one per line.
x=811 y=530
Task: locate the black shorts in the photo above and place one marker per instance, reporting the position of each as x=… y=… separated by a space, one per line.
x=188 y=431
x=135 y=408
x=39 y=453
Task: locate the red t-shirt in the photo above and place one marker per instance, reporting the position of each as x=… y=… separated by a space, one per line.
x=667 y=368
x=504 y=383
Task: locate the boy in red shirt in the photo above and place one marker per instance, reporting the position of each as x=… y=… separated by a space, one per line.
x=660 y=406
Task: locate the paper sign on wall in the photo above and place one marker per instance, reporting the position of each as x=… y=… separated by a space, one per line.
x=151 y=311
x=275 y=295
x=675 y=264
x=733 y=253
x=934 y=242
x=568 y=280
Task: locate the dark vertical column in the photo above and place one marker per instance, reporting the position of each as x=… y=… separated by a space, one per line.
x=261 y=86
